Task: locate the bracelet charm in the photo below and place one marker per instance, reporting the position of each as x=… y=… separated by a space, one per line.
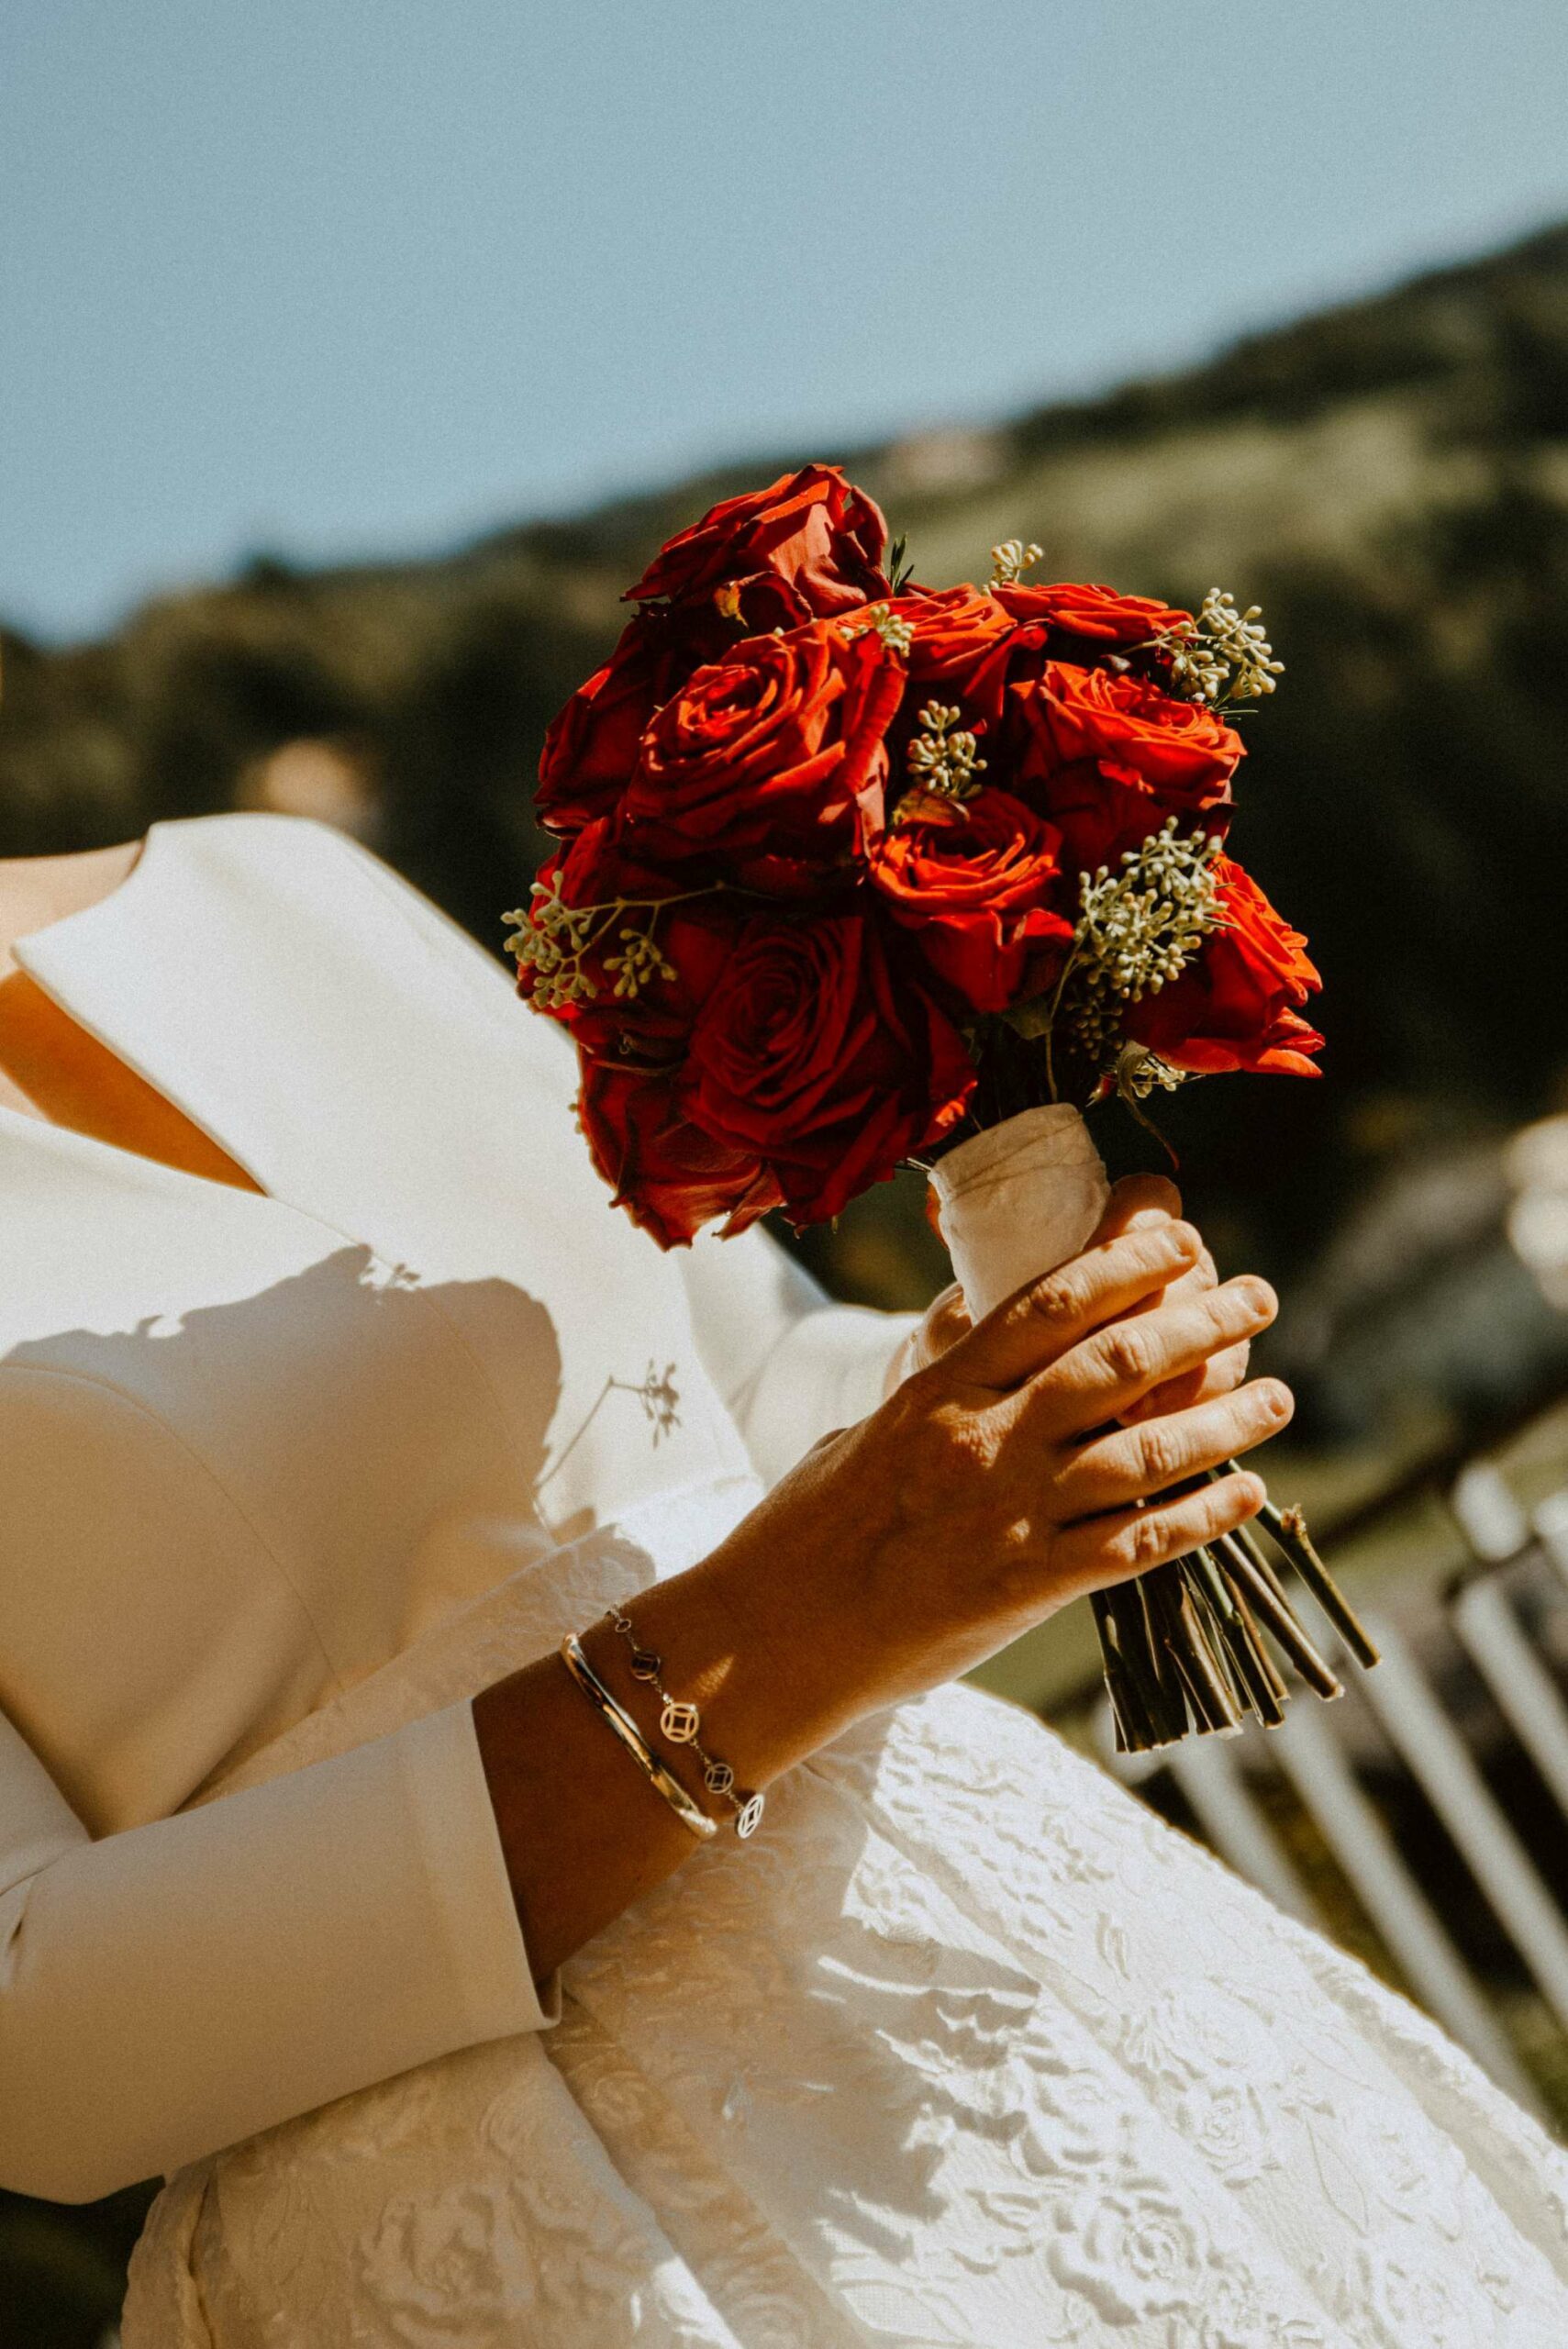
x=680 y=1722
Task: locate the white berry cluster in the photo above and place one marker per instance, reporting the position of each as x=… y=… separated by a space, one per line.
x=1011 y=560
x=1224 y=656
x=944 y=757
x=1140 y=926
x=553 y=940
x=896 y=632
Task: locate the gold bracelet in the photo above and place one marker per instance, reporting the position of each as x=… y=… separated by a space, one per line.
x=691 y=1814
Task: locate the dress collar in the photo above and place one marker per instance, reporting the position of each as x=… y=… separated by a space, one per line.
x=93 y=964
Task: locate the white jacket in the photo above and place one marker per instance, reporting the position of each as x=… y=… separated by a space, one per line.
x=250 y=1447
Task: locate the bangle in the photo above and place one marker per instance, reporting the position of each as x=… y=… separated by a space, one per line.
x=690 y=1814
x=680 y=1723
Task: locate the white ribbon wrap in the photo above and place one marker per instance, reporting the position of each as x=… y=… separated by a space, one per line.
x=1019 y=1200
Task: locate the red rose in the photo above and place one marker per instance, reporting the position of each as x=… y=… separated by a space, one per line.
x=599 y=879
x=809 y=546
x=669 y=1175
x=1177 y=750
x=978 y=881
x=956 y=632
x=1235 y=1006
x=591 y=748
x=1085 y=610
x=775 y=752
x=966 y=649
x=825 y=1058
x=1100 y=817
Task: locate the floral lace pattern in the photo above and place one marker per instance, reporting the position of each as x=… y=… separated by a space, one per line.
x=968 y=2049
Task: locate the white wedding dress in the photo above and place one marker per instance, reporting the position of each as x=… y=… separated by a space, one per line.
x=966 y=2047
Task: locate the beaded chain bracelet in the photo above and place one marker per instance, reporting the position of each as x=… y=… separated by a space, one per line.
x=680 y=1723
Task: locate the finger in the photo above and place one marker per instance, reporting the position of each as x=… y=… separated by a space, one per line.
x=1193 y=1387
x=1134 y=1464
x=1042 y=1319
x=945 y=1322
x=1137 y=1199
x=1105 y=1374
x=1198 y=1277
x=1220 y=1375
x=1100 y=1551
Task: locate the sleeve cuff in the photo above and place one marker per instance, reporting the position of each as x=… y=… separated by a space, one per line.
x=470 y=1896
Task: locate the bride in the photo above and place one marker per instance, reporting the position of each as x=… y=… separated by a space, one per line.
x=332 y=1402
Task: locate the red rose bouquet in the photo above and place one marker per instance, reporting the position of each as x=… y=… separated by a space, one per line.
x=856 y=873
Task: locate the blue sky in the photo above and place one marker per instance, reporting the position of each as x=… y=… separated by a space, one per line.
x=329 y=279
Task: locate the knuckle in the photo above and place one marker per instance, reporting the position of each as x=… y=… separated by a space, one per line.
x=1014 y=1573
x=965 y=1447
x=1053 y=1300
x=1145 y=1541
x=1161 y=1454
x=1126 y=1352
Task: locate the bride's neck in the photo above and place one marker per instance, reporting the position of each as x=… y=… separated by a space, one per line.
x=38 y=890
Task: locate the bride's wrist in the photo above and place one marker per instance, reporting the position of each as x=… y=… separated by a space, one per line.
x=758 y=1662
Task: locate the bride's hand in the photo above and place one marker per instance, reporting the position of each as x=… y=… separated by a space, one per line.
x=990 y=1489
x=1031 y=1461
x=1138 y=1200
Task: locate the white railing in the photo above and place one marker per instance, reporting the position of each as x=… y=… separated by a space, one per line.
x=1225 y=1783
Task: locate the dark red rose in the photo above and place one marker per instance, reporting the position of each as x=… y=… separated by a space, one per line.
x=599 y=879
x=776 y=752
x=979 y=884
x=668 y=1174
x=1100 y=817
x=1237 y=1006
x=807 y=546
x=1098 y=613
x=1177 y=750
x=826 y=1057
x=964 y=651
x=591 y=748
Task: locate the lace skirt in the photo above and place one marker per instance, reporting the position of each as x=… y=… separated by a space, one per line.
x=967 y=2047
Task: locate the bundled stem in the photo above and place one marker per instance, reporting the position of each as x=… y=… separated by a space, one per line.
x=1183 y=1646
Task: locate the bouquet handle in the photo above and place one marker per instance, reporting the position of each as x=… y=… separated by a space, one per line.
x=1182 y=1645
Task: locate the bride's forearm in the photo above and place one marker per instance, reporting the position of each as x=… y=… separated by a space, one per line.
x=996 y=1484
x=585 y=1833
